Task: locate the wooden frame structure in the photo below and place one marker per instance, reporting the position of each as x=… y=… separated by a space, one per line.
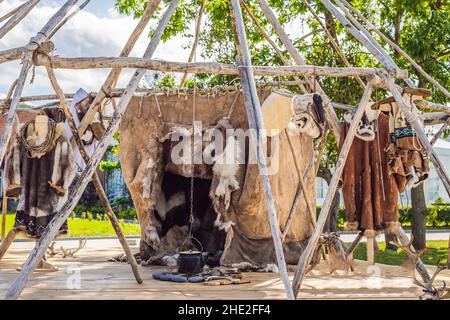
x=35 y=54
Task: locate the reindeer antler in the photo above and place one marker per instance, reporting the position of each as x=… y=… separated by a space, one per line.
x=430 y=291
x=71 y=251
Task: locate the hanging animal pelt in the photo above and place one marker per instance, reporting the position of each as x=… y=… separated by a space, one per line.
x=39 y=174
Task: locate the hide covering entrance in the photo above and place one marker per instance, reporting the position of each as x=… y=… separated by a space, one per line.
x=235 y=191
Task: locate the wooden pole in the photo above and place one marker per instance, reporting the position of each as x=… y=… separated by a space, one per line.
x=308 y=253
x=384 y=59
x=114 y=74
x=6 y=243
x=17 y=17
x=70 y=16
x=372 y=40
x=12 y=54
x=302 y=180
x=255 y=119
x=95 y=179
x=276 y=25
x=12 y=12
x=198 y=25
x=404 y=240
x=397 y=48
x=370 y=250
x=312 y=165
x=417 y=127
x=39 y=250
x=333 y=42
x=202 y=67
x=34 y=44
x=272 y=43
x=4 y=213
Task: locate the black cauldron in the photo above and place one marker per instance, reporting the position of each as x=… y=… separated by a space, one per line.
x=190 y=262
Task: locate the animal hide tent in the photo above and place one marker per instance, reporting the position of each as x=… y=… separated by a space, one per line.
x=234 y=206
x=39 y=174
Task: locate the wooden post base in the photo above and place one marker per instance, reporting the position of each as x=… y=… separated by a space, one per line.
x=6 y=243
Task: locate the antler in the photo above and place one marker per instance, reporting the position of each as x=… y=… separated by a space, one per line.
x=71 y=252
x=431 y=292
x=51 y=250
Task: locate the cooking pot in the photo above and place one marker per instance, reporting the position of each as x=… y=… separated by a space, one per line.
x=190 y=262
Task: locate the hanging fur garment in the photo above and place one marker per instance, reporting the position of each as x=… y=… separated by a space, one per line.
x=39 y=175
x=369 y=188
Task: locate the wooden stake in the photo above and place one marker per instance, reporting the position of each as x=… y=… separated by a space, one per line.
x=26 y=63
x=307 y=255
x=198 y=25
x=331 y=115
x=398 y=49
x=95 y=179
x=39 y=250
x=17 y=17
x=115 y=72
x=255 y=119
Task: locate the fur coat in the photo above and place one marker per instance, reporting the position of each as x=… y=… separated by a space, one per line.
x=369 y=186
x=39 y=180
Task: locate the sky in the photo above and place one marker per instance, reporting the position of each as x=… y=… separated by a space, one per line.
x=98 y=30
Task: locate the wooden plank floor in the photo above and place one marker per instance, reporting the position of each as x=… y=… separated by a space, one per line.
x=90 y=276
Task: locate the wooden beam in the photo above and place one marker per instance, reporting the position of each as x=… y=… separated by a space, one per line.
x=423 y=104
x=39 y=250
x=114 y=74
x=17 y=17
x=313 y=83
x=203 y=67
x=12 y=54
x=397 y=48
x=308 y=253
x=95 y=179
x=26 y=64
x=255 y=119
x=198 y=25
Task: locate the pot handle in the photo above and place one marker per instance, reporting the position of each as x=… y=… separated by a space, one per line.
x=193 y=238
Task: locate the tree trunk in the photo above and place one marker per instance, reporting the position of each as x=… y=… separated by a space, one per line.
x=331 y=225
x=419 y=212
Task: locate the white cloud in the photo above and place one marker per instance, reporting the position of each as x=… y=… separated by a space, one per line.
x=86 y=34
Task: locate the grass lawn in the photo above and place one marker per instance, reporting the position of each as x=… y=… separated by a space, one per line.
x=86 y=228
x=437 y=249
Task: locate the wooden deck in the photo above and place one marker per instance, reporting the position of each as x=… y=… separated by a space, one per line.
x=90 y=276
